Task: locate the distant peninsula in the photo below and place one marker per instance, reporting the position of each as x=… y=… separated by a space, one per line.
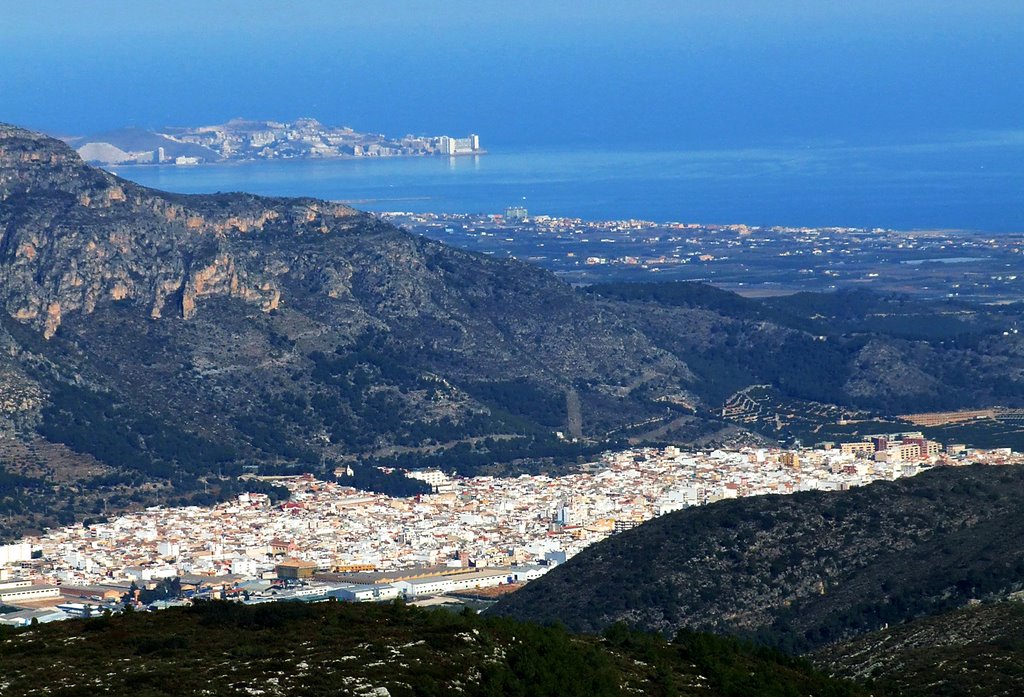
x=243 y=140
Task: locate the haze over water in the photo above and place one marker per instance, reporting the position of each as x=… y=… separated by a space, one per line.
x=976 y=187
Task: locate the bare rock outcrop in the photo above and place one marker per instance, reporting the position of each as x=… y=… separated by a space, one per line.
x=74 y=236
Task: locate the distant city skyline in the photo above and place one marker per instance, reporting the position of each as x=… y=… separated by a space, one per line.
x=729 y=74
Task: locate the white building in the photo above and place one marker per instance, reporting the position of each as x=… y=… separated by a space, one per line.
x=20 y=591
x=168 y=549
x=437 y=479
x=14 y=554
x=23 y=618
x=363 y=593
x=244 y=566
x=677 y=499
x=439 y=585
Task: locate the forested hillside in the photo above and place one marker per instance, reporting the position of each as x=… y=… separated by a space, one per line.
x=802 y=570
x=367 y=649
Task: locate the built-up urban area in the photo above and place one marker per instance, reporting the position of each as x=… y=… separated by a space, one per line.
x=244 y=139
x=748 y=259
x=472 y=538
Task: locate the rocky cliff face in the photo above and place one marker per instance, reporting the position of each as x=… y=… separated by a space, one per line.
x=77 y=236
x=165 y=333
x=174 y=336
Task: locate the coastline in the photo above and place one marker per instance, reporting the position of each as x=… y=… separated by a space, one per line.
x=133 y=164
x=824 y=187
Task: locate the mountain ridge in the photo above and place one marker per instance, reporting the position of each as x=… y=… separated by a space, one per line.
x=182 y=337
x=802 y=570
x=194 y=253
x=179 y=340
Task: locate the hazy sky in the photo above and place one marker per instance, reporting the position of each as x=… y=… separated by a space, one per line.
x=710 y=73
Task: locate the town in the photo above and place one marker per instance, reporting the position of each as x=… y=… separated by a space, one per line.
x=751 y=260
x=244 y=139
x=469 y=541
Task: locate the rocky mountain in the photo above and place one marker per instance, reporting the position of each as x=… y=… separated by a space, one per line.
x=78 y=240
x=216 y=648
x=973 y=651
x=154 y=346
x=803 y=570
x=176 y=339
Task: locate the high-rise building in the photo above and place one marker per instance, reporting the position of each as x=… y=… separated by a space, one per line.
x=12 y=554
x=860 y=447
x=458 y=146
x=516 y=213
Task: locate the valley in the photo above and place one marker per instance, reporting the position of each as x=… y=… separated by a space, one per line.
x=224 y=352
x=177 y=342
x=704 y=379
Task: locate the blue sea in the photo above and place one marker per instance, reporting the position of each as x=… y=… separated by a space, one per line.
x=974 y=184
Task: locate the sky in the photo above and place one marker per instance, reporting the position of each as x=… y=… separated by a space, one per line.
x=729 y=73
